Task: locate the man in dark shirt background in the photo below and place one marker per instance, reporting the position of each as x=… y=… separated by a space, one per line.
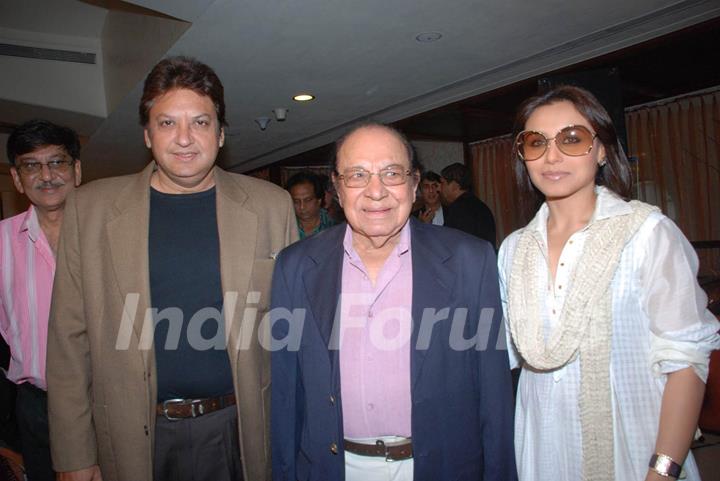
x=307 y=194
x=463 y=210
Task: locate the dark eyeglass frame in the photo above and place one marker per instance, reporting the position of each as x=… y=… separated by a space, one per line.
x=59 y=166
x=519 y=142
x=382 y=175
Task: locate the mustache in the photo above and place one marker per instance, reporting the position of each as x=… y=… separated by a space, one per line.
x=50 y=184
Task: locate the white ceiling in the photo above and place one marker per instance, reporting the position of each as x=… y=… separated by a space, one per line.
x=59 y=17
x=360 y=58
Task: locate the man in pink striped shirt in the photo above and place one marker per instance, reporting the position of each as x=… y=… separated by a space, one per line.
x=45 y=166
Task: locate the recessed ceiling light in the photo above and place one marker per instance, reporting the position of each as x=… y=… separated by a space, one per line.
x=428 y=37
x=303 y=97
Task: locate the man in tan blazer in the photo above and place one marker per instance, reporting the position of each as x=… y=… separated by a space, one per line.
x=156 y=369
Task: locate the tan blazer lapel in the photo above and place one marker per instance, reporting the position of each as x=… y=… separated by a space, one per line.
x=237 y=229
x=128 y=237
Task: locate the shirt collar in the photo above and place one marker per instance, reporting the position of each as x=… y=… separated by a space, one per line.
x=30 y=224
x=607 y=205
x=401 y=248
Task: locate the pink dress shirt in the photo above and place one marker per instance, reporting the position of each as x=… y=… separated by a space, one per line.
x=27 y=267
x=376 y=326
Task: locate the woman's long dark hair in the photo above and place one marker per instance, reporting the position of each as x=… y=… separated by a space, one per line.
x=615 y=175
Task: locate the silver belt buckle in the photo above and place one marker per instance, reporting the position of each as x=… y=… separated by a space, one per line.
x=195 y=409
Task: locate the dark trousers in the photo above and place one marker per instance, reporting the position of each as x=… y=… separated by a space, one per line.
x=32 y=419
x=9 y=435
x=205 y=448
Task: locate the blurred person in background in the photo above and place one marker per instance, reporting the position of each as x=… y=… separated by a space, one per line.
x=463 y=210
x=307 y=194
x=431 y=211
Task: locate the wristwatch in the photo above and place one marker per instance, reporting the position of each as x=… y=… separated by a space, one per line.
x=664 y=465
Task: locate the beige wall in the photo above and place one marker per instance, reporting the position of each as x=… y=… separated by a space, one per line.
x=131 y=44
x=435 y=155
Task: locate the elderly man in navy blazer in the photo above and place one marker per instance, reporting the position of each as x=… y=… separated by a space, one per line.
x=388 y=361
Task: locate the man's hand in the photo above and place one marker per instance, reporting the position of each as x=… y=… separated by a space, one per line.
x=426 y=215
x=88 y=474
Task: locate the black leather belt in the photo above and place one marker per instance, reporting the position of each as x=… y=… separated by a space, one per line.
x=174 y=409
x=391 y=451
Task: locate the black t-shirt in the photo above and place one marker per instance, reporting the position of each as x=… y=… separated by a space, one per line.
x=186 y=295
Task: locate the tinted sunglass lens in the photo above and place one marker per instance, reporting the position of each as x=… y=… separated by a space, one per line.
x=575 y=140
x=532 y=145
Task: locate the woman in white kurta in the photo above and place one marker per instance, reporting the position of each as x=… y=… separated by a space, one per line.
x=605 y=315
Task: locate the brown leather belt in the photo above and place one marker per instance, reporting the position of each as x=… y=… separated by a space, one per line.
x=391 y=451
x=174 y=409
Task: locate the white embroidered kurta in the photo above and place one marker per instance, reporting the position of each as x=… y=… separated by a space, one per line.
x=660 y=324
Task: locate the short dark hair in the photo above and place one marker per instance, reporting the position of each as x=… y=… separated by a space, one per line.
x=615 y=175
x=326 y=183
x=182 y=73
x=38 y=133
x=307 y=178
x=430 y=176
x=412 y=158
x=460 y=173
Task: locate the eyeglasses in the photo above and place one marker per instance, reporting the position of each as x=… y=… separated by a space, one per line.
x=573 y=140
x=358 y=178
x=60 y=166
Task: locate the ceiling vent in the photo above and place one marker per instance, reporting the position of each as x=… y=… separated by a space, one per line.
x=46 y=54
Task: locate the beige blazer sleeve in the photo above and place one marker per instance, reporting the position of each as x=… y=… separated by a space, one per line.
x=68 y=356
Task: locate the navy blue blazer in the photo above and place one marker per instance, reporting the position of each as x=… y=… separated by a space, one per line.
x=462 y=404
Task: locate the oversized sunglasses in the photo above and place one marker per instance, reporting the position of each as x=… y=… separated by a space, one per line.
x=573 y=140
